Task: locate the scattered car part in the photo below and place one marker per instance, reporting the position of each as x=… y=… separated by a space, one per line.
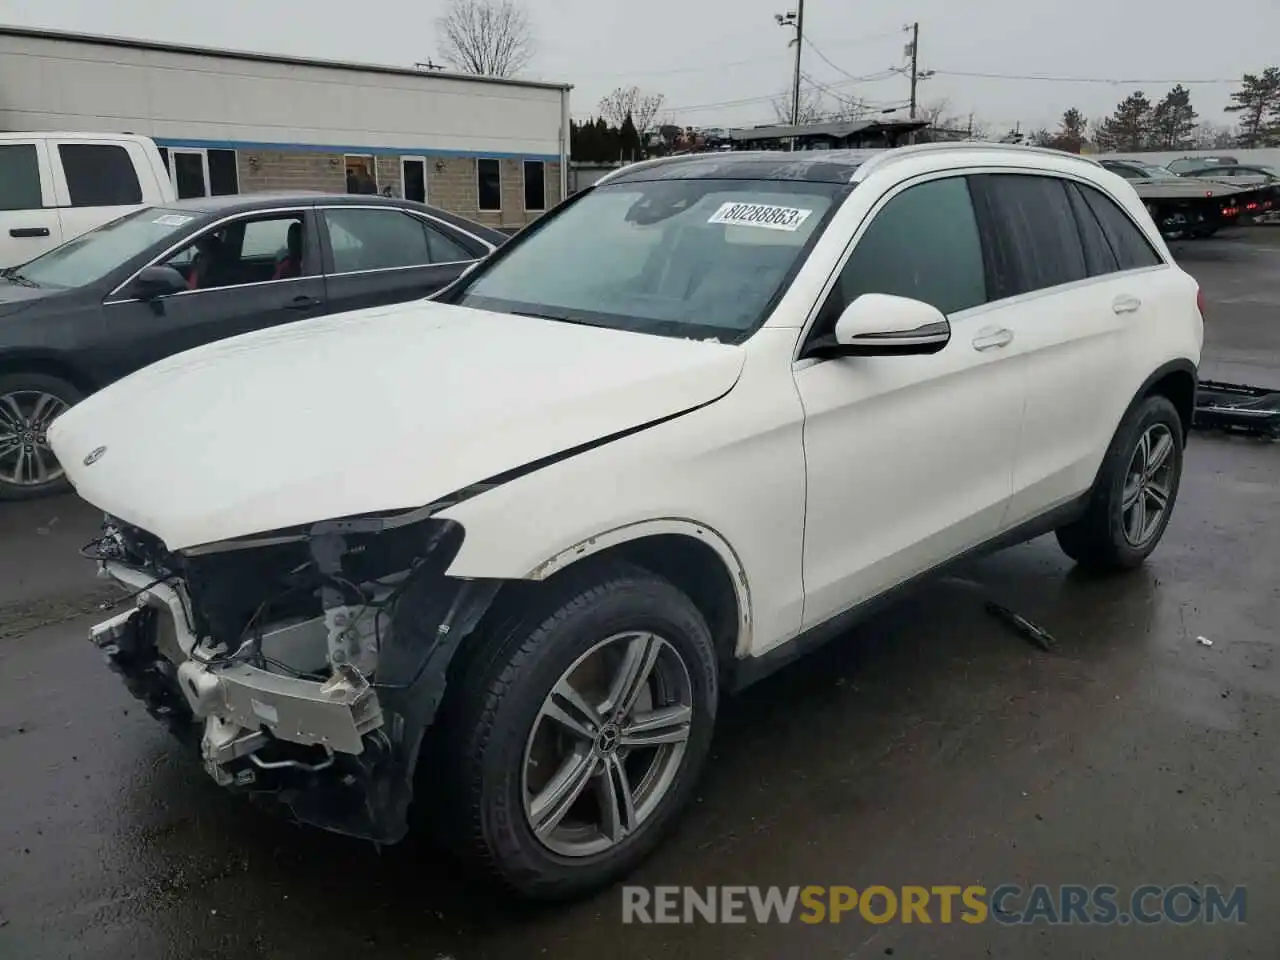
x=1237 y=408
x=1024 y=627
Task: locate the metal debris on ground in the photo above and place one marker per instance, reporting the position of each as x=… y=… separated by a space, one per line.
x=1237 y=408
x=1024 y=627
x=1204 y=641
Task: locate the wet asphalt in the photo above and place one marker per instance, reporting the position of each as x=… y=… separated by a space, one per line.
x=930 y=746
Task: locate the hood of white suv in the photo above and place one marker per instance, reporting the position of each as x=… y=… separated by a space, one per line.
x=368 y=411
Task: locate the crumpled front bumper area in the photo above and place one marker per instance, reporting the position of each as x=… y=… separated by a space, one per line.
x=336 y=745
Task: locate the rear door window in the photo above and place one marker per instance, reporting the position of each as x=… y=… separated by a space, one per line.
x=363 y=239
x=20 y=177
x=1034 y=228
x=99 y=174
x=1132 y=249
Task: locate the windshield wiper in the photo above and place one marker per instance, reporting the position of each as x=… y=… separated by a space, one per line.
x=13 y=276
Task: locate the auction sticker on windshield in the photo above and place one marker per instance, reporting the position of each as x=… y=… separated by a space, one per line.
x=172 y=220
x=761 y=215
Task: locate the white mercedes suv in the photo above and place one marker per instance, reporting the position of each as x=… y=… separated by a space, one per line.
x=509 y=547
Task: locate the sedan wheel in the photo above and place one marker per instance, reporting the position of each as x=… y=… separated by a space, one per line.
x=607 y=744
x=28 y=407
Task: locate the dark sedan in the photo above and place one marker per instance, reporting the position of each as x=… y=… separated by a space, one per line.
x=164 y=279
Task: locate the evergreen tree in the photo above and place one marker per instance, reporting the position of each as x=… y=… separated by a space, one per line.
x=1258 y=103
x=1129 y=128
x=1173 y=121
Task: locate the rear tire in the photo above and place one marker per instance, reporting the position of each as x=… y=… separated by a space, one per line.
x=507 y=742
x=29 y=403
x=1134 y=495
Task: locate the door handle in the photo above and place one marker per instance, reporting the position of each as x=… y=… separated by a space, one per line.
x=302 y=303
x=20 y=232
x=989 y=338
x=1125 y=304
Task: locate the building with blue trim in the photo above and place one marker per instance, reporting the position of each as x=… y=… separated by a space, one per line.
x=233 y=122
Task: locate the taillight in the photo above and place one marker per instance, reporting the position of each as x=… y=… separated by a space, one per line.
x=1200 y=301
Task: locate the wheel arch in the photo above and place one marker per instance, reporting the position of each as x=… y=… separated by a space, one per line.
x=48 y=364
x=1175 y=380
x=693 y=556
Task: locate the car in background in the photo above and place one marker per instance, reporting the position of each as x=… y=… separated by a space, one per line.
x=56 y=186
x=167 y=278
x=1190 y=205
x=1183 y=164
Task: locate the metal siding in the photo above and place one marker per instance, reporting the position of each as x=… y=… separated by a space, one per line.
x=48 y=84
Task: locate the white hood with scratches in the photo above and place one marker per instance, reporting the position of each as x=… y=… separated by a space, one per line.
x=360 y=412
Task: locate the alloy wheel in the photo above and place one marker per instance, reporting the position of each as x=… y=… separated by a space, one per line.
x=26 y=459
x=1148 y=485
x=607 y=744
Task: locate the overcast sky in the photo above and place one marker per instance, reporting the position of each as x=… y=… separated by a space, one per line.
x=719 y=62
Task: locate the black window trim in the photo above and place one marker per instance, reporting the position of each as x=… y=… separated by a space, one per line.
x=815 y=309
x=191 y=238
x=436 y=222
x=1162 y=262
x=803 y=342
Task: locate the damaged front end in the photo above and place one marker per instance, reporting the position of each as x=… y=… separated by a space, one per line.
x=307 y=663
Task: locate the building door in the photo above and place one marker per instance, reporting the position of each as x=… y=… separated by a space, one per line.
x=362 y=174
x=190 y=169
x=413 y=178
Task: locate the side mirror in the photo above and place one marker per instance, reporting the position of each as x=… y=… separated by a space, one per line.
x=157 y=281
x=880 y=325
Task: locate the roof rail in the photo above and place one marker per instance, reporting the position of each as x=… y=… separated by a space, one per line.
x=894 y=154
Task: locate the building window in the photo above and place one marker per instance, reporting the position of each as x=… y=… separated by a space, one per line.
x=99 y=175
x=362 y=174
x=224 y=181
x=489 y=184
x=535 y=185
x=19 y=177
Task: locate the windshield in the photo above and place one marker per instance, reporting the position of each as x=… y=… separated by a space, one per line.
x=1154 y=172
x=91 y=257
x=688 y=258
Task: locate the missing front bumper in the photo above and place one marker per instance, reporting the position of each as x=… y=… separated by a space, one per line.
x=341 y=752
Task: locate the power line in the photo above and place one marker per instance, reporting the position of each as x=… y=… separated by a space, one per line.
x=738 y=103
x=704 y=68
x=1057 y=79
x=869 y=78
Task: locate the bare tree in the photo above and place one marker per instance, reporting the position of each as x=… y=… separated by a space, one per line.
x=489 y=38
x=813 y=107
x=633 y=102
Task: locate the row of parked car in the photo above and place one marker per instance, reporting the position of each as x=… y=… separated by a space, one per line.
x=1198 y=196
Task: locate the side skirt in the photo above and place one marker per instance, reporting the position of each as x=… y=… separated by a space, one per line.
x=752 y=669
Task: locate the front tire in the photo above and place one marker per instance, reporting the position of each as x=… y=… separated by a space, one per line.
x=29 y=403
x=575 y=736
x=1134 y=496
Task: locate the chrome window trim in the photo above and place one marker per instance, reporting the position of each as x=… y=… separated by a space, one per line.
x=412 y=213
x=191 y=238
x=237 y=286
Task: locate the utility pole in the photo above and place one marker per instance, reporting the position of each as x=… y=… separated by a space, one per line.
x=795 y=87
x=915 y=73
x=794 y=18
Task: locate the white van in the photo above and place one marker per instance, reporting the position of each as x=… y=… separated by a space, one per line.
x=56 y=186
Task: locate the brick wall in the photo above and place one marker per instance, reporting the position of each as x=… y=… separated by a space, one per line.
x=278 y=170
x=451 y=181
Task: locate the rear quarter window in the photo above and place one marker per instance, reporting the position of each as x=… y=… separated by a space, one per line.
x=1132 y=248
